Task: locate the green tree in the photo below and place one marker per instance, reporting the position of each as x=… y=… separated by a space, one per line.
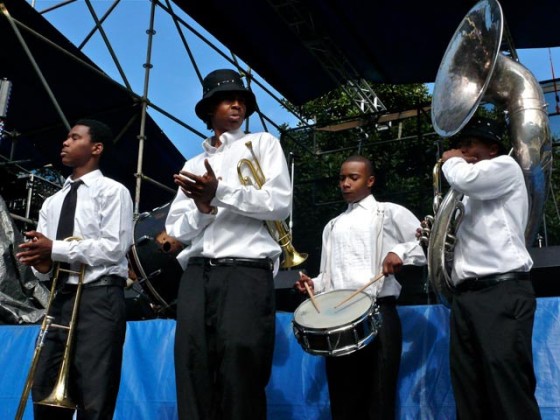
x=403 y=152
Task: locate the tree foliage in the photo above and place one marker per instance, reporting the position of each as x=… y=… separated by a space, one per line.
x=403 y=152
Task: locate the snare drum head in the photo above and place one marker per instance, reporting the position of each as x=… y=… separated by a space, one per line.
x=307 y=316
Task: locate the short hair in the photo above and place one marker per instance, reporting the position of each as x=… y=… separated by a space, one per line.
x=98 y=131
x=369 y=164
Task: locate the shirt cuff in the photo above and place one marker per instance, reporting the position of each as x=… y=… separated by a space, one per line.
x=400 y=250
x=44 y=276
x=60 y=251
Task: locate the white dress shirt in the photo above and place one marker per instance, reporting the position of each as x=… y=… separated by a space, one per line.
x=356 y=242
x=237 y=230
x=491 y=236
x=103 y=220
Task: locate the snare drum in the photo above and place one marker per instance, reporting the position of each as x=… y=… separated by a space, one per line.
x=336 y=331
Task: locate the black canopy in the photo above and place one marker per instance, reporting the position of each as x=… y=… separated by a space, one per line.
x=295 y=44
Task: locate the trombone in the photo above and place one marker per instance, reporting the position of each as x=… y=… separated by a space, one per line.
x=278 y=228
x=59 y=396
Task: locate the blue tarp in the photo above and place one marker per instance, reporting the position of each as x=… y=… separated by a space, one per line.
x=297 y=388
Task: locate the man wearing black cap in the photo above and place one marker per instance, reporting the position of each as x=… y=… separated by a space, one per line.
x=492 y=313
x=224 y=339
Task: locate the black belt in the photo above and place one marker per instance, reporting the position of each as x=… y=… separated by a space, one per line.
x=479 y=283
x=265 y=263
x=110 y=280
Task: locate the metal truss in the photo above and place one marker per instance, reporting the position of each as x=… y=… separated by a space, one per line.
x=187 y=35
x=333 y=60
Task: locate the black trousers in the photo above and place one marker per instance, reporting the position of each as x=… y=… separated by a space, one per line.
x=224 y=342
x=363 y=385
x=491 y=352
x=96 y=363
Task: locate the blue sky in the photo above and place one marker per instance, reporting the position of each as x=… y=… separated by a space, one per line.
x=173 y=84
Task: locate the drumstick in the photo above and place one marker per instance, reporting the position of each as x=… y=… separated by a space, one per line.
x=361 y=289
x=311 y=296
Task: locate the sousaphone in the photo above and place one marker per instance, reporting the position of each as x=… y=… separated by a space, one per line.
x=473 y=70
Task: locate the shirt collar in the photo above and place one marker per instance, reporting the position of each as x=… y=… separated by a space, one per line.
x=368 y=202
x=88 y=179
x=226 y=139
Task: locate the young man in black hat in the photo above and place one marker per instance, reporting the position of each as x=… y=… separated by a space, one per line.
x=493 y=311
x=101 y=215
x=224 y=339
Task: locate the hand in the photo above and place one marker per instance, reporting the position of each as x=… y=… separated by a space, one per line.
x=448 y=154
x=36 y=252
x=300 y=284
x=202 y=189
x=392 y=264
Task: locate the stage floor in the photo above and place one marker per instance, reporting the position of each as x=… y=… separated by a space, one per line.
x=297 y=388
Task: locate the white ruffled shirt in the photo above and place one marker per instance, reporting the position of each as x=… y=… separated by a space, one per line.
x=356 y=242
x=238 y=229
x=491 y=236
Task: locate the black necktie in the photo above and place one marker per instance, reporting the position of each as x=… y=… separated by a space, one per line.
x=67 y=212
x=66 y=223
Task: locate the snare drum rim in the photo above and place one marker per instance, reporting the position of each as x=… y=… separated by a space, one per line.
x=340 y=328
x=374 y=321
x=360 y=318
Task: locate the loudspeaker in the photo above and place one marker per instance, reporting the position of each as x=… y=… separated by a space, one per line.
x=416 y=289
x=546 y=270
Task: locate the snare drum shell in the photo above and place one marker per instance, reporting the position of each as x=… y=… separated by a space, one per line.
x=336 y=340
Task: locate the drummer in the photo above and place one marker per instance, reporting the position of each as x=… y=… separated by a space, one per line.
x=367 y=239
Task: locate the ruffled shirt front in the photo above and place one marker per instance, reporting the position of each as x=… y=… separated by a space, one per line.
x=356 y=242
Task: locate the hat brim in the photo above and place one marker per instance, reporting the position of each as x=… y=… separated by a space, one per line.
x=478 y=133
x=205 y=105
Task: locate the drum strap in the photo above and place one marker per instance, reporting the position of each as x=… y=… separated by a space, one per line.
x=376 y=264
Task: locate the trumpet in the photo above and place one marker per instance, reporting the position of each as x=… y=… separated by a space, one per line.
x=277 y=228
x=59 y=396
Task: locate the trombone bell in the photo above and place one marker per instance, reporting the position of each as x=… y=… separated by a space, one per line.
x=59 y=398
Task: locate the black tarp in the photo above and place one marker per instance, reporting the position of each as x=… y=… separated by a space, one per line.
x=386 y=41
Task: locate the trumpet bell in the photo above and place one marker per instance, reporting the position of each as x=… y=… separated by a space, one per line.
x=293 y=259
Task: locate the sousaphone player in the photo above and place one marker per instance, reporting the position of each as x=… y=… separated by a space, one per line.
x=493 y=307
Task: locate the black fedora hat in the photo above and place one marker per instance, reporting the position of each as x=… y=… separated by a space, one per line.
x=218 y=81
